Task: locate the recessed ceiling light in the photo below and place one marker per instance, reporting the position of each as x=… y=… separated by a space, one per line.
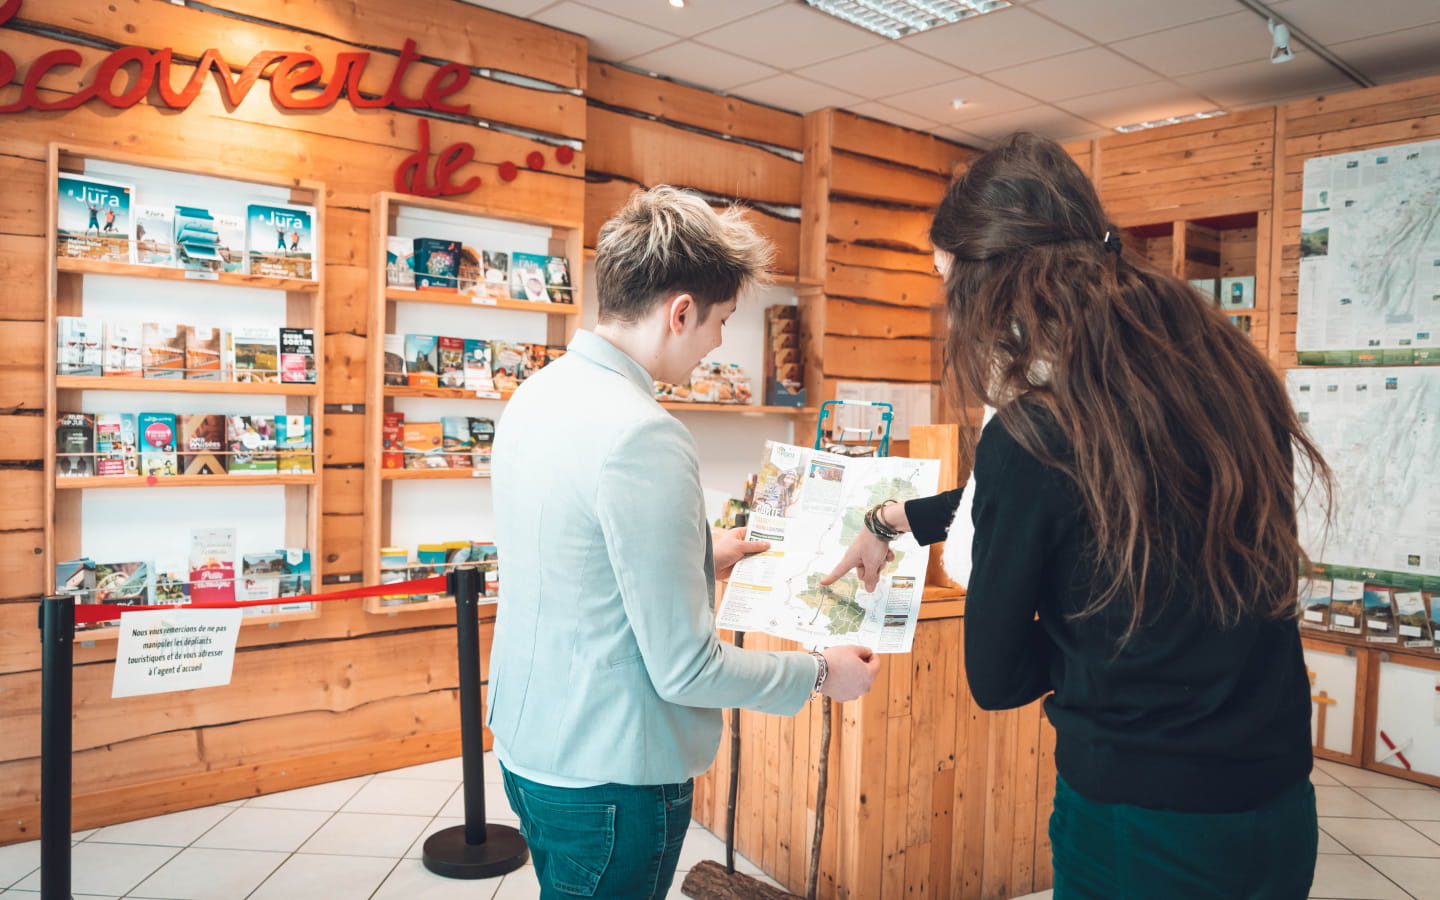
x=678 y=4
x=898 y=18
x=1170 y=120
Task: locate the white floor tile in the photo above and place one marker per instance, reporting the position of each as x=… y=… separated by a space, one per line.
x=1380 y=837
x=701 y=845
x=1421 y=877
x=439 y=823
x=178 y=829
x=492 y=769
x=366 y=834
x=1351 y=878
x=26 y=894
x=327 y=797
x=1317 y=776
x=1342 y=801
x=412 y=881
x=107 y=869
x=310 y=875
x=1357 y=777
x=440 y=770
x=200 y=873
x=281 y=830
x=1043 y=895
x=497 y=805
x=1429 y=829
x=519 y=885
x=17 y=861
x=401 y=797
x=83 y=835
x=1329 y=845
x=1419 y=802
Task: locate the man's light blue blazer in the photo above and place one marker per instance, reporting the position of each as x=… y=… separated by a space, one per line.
x=605 y=665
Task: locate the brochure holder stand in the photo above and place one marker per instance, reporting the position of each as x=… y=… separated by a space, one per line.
x=849 y=439
x=475 y=849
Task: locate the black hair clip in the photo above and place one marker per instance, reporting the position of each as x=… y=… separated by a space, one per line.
x=1112 y=242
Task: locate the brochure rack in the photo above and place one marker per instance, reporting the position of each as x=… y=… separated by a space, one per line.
x=75 y=287
x=389 y=304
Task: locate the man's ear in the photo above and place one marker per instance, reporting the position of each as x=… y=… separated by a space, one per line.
x=682 y=310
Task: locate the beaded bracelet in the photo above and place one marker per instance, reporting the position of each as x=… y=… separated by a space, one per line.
x=876 y=525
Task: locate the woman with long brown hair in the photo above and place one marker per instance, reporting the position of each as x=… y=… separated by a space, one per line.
x=1134 y=551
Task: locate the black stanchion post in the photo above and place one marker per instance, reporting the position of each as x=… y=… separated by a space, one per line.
x=57 y=660
x=475 y=849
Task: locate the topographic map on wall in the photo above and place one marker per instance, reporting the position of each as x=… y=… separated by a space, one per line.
x=1379 y=429
x=1370 y=250
x=810 y=505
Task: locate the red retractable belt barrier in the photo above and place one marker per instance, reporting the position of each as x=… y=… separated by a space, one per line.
x=90 y=613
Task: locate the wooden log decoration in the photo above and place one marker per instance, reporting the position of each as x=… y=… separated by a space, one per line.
x=709 y=881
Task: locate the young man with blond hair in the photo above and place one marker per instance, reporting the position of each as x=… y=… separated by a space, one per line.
x=606 y=675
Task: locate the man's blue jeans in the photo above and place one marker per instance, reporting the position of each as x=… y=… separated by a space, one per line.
x=613 y=841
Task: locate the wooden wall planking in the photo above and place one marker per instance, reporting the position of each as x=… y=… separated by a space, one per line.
x=646 y=131
x=376 y=692
x=1342 y=123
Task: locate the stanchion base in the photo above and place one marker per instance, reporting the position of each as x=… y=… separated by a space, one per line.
x=447 y=854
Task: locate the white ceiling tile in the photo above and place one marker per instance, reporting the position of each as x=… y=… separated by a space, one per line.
x=1262 y=83
x=796 y=94
x=1113 y=20
x=1336 y=21
x=705 y=66
x=1046 y=120
x=792 y=35
x=513 y=7
x=951 y=133
x=1073 y=75
x=878 y=71
x=982 y=98
x=892 y=115
x=695 y=17
x=611 y=37
x=1006 y=37
x=1144 y=103
x=1200 y=46
x=1398 y=56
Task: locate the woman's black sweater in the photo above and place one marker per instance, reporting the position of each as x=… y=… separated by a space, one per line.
x=1185 y=716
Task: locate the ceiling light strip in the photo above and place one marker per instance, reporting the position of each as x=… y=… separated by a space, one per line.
x=1170 y=120
x=897 y=18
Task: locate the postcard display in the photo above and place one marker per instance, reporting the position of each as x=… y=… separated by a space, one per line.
x=466 y=306
x=186 y=315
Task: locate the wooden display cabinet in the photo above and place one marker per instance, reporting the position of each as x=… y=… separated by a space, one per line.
x=561 y=321
x=1224 y=246
x=67 y=296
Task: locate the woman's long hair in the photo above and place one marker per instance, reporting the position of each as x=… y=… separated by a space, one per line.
x=1180 y=433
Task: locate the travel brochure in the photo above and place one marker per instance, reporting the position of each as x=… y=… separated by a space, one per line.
x=209 y=575
x=100 y=219
x=437 y=264
x=251 y=355
x=165 y=444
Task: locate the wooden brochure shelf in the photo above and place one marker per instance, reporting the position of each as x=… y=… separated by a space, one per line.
x=167 y=273
x=182 y=386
